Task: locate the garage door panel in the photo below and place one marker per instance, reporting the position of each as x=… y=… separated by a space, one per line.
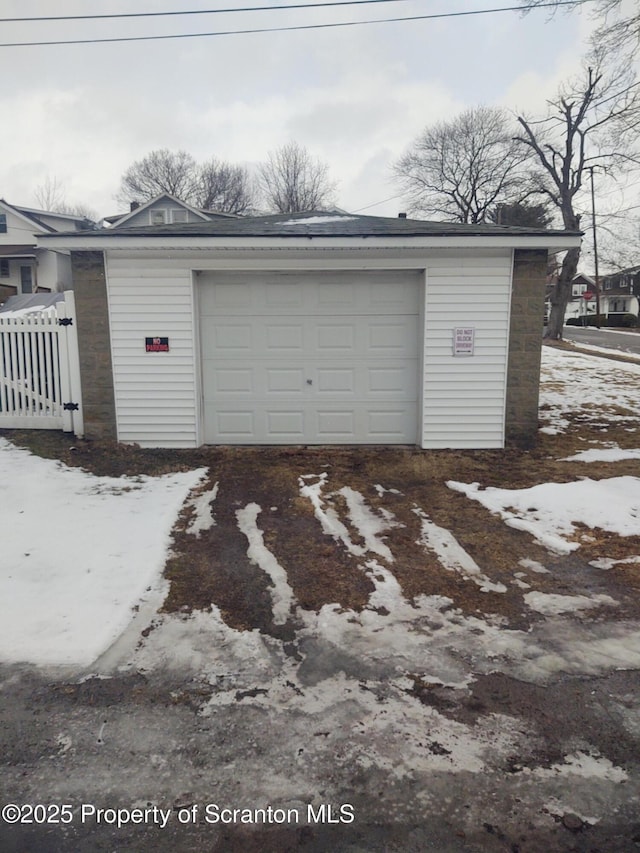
x=399 y=298
x=322 y=357
x=334 y=380
x=332 y=338
x=283 y=297
x=288 y=338
x=230 y=423
x=285 y=426
x=394 y=338
x=226 y=298
x=225 y=340
x=391 y=380
x=231 y=380
x=284 y=380
x=332 y=425
x=388 y=425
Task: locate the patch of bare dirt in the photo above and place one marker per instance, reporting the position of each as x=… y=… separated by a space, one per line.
x=214 y=569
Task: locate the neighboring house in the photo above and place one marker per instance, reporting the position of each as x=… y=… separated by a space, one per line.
x=577 y=306
x=164 y=209
x=620 y=294
x=619 y=297
x=311 y=328
x=26 y=267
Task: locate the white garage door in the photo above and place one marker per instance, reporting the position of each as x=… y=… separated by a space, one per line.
x=326 y=357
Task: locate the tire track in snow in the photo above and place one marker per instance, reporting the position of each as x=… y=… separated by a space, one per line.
x=282 y=595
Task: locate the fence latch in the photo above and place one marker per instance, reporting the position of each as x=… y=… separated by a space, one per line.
x=65 y=321
x=70 y=407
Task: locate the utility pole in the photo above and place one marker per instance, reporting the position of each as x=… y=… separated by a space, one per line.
x=595 y=248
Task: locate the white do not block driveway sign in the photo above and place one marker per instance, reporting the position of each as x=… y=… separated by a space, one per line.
x=463 y=340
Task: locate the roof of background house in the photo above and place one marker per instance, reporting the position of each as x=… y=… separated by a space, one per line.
x=18 y=250
x=626 y=271
x=34 y=215
x=325 y=224
x=120 y=218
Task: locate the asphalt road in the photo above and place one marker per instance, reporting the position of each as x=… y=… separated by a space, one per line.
x=622 y=341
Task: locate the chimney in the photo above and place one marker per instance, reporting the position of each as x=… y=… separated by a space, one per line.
x=134 y=206
x=402 y=216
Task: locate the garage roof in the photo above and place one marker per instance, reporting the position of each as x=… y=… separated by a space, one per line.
x=323 y=224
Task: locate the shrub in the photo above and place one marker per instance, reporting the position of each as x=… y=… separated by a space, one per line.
x=629 y=321
x=587 y=320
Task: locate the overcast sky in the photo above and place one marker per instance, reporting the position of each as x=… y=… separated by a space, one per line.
x=354 y=96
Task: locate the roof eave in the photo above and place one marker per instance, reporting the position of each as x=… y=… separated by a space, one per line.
x=120 y=240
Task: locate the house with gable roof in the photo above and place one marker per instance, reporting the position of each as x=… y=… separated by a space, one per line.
x=164 y=209
x=25 y=266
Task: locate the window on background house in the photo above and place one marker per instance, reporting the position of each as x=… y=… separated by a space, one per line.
x=158 y=217
x=5 y=271
x=178 y=215
x=3 y=223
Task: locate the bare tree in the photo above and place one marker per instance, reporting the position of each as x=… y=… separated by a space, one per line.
x=592 y=122
x=292 y=181
x=50 y=195
x=619 y=20
x=619 y=239
x=221 y=186
x=173 y=172
x=461 y=169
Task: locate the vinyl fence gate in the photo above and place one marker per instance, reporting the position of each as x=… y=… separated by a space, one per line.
x=40 y=370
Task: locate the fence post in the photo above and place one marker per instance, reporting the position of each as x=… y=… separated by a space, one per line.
x=63 y=356
x=73 y=363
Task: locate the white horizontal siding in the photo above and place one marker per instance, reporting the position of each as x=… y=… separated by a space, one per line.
x=464 y=396
x=156 y=397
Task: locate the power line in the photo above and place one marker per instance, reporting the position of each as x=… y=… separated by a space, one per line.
x=288 y=29
x=376 y=203
x=192 y=11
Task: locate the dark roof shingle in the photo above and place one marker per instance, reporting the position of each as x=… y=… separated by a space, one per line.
x=321 y=224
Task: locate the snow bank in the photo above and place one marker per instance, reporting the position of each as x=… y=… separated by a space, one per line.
x=78 y=553
x=550 y=511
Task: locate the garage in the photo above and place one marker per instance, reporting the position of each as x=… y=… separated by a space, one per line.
x=316 y=328
x=310 y=357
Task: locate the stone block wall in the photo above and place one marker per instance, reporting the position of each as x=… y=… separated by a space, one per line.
x=525 y=345
x=90 y=289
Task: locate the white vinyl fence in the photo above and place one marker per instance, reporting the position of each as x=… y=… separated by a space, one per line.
x=40 y=370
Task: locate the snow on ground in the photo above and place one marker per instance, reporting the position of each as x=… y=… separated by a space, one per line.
x=281 y=593
x=202 y=504
x=607 y=563
x=582 y=764
x=550 y=511
x=369 y=525
x=452 y=555
x=552 y=604
x=78 y=552
x=82 y=550
x=577 y=384
x=604 y=454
